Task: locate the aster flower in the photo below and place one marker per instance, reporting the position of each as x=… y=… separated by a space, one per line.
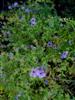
x=27 y=10
x=38 y=72
x=64 y=55
x=33 y=73
x=9 y=7
x=33 y=21
x=49 y=44
x=15 y=4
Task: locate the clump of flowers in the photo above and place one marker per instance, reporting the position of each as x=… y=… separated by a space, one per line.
x=38 y=72
x=33 y=21
x=64 y=55
x=15 y=4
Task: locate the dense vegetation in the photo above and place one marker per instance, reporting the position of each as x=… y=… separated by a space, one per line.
x=37 y=53
x=67 y=7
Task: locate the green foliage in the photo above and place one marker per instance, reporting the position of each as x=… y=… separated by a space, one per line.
x=30 y=49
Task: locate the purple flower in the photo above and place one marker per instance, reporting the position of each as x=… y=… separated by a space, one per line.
x=49 y=44
x=15 y=4
x=33 y=73
x=46 y=82
x=33 y=21
x=27 y=10
x=38 y=72
x=64 y=55
x=9 y=7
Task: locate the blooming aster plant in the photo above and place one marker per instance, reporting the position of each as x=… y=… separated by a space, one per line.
x=15 y=4
x=33 y=21
x=31 y=36
x=38 y=72
x=64 y=55
x=50 y=44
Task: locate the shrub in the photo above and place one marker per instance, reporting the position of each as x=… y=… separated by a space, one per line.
x=48 y=44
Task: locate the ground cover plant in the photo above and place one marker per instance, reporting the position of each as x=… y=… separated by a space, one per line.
x=37 y=54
